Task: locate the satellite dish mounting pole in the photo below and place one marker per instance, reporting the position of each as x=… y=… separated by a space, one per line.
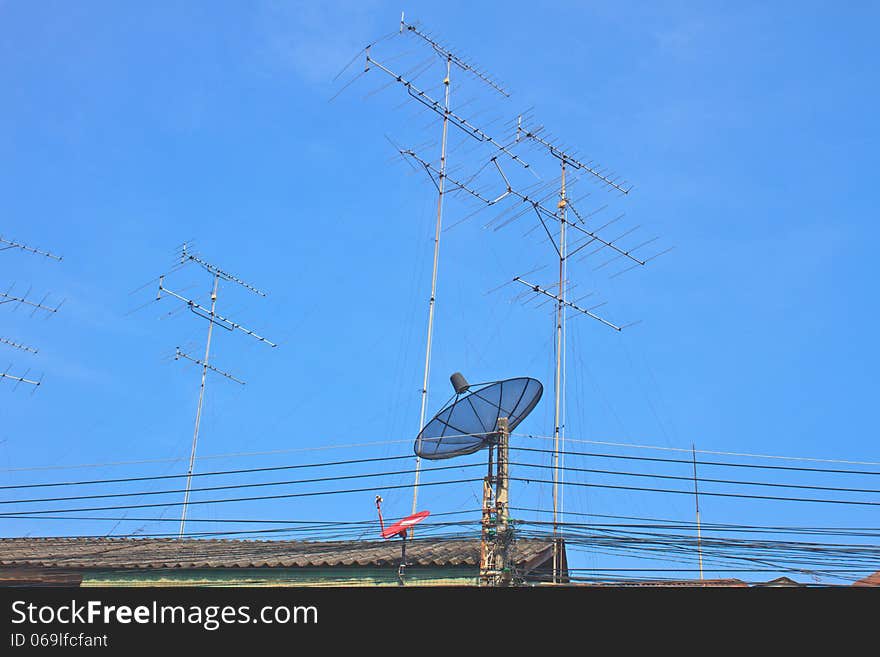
x=440 y=187
x=497 y=534
x=205 y=367
x=558 y=438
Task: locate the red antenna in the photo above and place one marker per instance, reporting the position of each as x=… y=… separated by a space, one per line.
x=400 y=529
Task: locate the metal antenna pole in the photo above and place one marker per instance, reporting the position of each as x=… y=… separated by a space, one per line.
x=192 y=454
x=697 y=501
x=437 y=230
x=560 y=346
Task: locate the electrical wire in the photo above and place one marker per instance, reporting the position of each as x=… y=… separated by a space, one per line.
x=690 y=462
x=236 y=499
x=709 y=493
x=703 y=451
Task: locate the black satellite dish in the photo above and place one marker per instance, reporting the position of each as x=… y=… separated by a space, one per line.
x=469 y=421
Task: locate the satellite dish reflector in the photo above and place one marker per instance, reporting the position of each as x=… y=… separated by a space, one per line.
x=401 y=526
x=468 y=422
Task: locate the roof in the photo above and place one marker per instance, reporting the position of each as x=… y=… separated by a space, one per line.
x=870 y=580
x=781 y=581
x=150 y=553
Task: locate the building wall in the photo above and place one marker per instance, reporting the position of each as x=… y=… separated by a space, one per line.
x=282 y=577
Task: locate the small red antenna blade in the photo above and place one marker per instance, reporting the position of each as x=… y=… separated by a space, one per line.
x=401 y=526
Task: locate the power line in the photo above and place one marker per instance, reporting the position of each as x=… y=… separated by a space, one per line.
x=234 y=486
x=205 y=457
x=236 y=520
x=405 y=456
x=236 y=499
x=204 y=474
x=722 y=527
x=711 y=463
x=705 y=479
x=714 y=494
x=703 y=451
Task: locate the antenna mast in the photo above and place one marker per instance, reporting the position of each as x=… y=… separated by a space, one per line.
x=697 y=503
x=213 y=318
x=591 y=236
x=437 y=228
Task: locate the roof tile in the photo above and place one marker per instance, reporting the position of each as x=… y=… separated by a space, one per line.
x=148 y=553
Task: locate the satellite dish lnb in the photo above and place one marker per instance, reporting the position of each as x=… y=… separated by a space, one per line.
x=468 y=422
x=459 y=383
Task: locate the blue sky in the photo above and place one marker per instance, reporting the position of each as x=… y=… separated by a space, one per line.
x=128 y=128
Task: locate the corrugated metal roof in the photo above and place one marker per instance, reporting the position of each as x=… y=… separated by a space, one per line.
x=870 y=580
x=148 y=553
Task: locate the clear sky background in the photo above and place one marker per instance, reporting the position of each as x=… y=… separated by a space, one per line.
x=127 y=128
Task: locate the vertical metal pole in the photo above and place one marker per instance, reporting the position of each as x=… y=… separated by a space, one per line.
x=496 y=535
x=502 y=493
x=560 y=346
x=697 y=501
x=401 y=570
x=440 y=187
x=192 y=454
x=486 y=527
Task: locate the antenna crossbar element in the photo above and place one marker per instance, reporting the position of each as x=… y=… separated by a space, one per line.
x=568 y=158
x=537 y=289
x=20 y=379
x=17 y=345
x=11 y=244
x=186 y=255
x=435 y=174
x=212 y=317
x=542 y=211
x=440 y=108
x=455 y=59
x=182 y=354
x=5 y=297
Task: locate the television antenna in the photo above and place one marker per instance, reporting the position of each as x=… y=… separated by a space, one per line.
x=610 y=182
x=481 y=416
x=214 y=319
x=9 y=297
